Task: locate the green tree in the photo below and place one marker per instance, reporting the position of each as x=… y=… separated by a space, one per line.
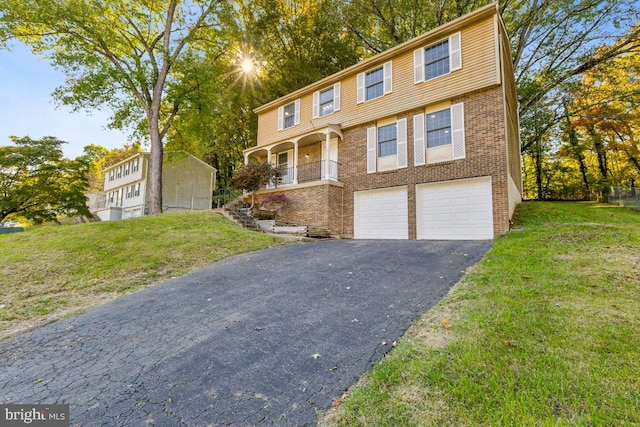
x=120 y=53
x=38 y=184
x=553 y=42
x=276 y=47
x=297 y=43
x=253 y=176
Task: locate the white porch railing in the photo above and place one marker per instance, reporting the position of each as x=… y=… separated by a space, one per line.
x=308 y=172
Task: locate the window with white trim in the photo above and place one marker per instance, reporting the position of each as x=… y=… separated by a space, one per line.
x=136 y=164
x=437 y=59
x=387 y=146
x=374 y=83
x=387 y=140
x=326 y=101
x=439 y=135
x=289 y=115
x=439 y=128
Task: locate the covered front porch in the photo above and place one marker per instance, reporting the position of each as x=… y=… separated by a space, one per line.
x=308 y=158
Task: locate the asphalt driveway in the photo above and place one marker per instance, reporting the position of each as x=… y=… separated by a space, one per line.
x=269 y=337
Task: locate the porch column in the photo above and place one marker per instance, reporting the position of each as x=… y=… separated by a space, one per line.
x=269 y=184
x=327 y=149
x=295 y=162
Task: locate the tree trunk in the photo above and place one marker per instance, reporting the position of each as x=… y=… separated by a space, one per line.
x=538 y=165
x=154 y=201
x=577 y=152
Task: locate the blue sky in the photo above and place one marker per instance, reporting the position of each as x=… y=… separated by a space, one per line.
x=27 y=108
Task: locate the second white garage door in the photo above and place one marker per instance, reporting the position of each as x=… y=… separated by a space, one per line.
x=455 y=210
x=381 y=214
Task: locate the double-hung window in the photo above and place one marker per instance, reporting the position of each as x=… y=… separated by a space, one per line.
x=440 y=136
x=439 y=128
x=374 y=83
x=387 y=146
x=289 y=115
x=437 y=59
x=387 y=140
x=326 y=101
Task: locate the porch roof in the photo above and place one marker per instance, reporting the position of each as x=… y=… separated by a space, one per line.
x=304 y=139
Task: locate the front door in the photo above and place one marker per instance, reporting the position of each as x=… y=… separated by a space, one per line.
x=283 y=160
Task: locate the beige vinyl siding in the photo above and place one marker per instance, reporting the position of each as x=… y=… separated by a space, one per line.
x=511 y=114
x=479 y=70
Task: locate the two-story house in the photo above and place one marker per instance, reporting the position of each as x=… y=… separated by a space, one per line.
x=187 y=183
x=418 y=142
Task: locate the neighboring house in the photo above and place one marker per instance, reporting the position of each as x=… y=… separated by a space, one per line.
x=187 y=183
x=418 y=142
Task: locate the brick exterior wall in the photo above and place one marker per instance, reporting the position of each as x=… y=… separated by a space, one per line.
x=485 y=156
x=318 y=205
x=331 y=205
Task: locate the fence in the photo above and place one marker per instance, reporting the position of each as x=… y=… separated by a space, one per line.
x=628 y=197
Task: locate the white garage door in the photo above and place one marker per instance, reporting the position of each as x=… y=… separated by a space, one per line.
x=381 y=214
x=455 y=210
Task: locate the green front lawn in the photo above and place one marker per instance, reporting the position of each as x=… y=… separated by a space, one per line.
x=544 y=332
x=50 y=272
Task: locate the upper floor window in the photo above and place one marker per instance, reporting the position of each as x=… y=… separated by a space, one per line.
x=374 y=83
x=326 y=101
x=136 y=164
x=289 y=115
x=437 y=59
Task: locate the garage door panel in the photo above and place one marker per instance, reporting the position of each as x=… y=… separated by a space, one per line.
x=455 y=210
x=381 y=214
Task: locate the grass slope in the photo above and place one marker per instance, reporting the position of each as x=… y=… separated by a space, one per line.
x=50 y=272
x=543 y=332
